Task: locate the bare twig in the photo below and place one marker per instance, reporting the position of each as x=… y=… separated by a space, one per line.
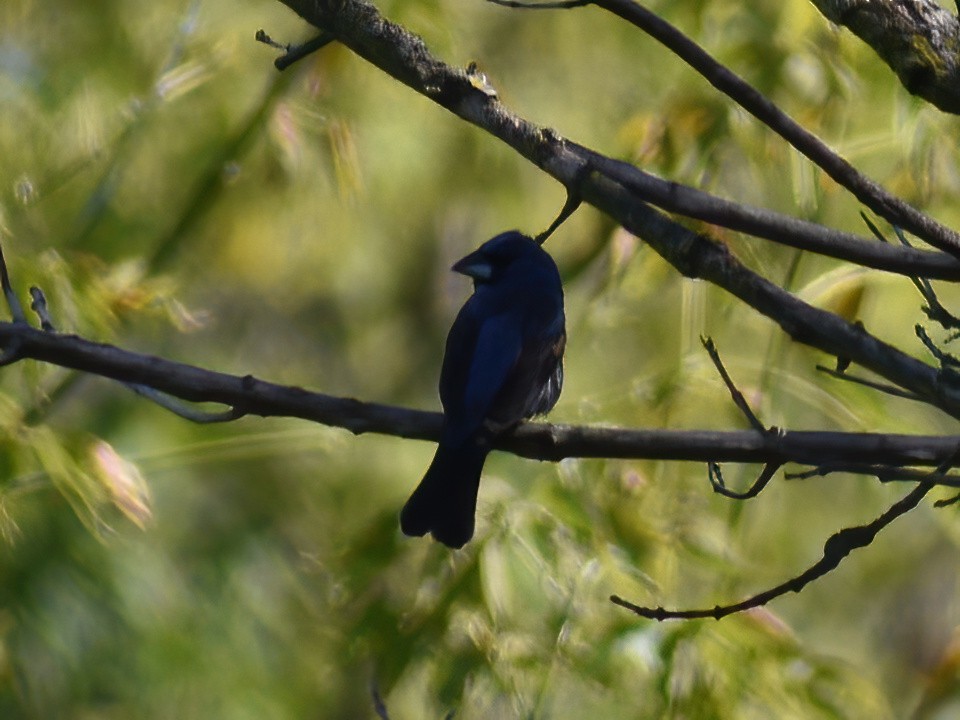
x=738 y=399
x=534 y=5
x=11 y=353
x=185 y=411
x=39 y=306
x=570 y=206
x=882 y=387
x=379 y=706
x=948 y=362
x=292 y=53
x=883 y=473
x=720 y=487
x=13 y=302
x=714 y=473
x=835 y=549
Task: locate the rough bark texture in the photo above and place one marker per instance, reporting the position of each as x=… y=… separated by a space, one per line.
x=918 y=39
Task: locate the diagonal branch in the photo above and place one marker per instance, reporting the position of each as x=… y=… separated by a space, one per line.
x=871 y=194
x=776 y=227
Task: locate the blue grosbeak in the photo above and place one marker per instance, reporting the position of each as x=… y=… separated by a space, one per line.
x=503 y=363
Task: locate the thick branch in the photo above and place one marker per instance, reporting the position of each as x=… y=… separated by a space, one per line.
x=534 y=440
x=918 y=39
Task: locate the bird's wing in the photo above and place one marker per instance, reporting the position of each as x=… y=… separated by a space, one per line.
x=533 y=383
x=495 y=354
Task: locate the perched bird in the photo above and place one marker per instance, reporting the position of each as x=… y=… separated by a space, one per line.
x=503 y=363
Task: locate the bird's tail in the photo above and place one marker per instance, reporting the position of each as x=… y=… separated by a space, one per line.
x=445 y=501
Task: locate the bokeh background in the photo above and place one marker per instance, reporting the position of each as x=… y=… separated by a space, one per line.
x=172 y=193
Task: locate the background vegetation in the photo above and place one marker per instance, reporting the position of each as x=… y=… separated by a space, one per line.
x=172 y=193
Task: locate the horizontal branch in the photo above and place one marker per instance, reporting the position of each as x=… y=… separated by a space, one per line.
x=542 y=441
x=605 y=183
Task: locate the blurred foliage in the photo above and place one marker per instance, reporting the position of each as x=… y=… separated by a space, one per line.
x=172 y=193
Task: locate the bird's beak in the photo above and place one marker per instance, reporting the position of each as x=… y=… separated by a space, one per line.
x=474 y=265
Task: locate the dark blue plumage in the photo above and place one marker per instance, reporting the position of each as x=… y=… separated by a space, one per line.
x=503 y=363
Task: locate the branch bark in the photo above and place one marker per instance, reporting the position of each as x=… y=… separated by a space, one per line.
x=540 y=441
x=918 y=39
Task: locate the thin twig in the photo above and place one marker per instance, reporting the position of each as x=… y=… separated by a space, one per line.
x=948 y=363
x=13 y=302
x=835 y=549
x=11 y=352
x=933 y=308
x=558 y=5
x=185 y=411
x=570 y=206
x=293 y=53
x=719 y=486
x=39 y=306
x=882 y=387
x=738 y=399
x=883 y=473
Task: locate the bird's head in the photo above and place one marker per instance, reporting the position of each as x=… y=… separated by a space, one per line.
x=487 y=263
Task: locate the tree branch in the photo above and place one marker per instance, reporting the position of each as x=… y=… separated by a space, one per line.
x=542 y=441
x=604 y=183
x=835 y=550
x=916 y=38
x=782 y=229
x=871 y=194
x=13 y=302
